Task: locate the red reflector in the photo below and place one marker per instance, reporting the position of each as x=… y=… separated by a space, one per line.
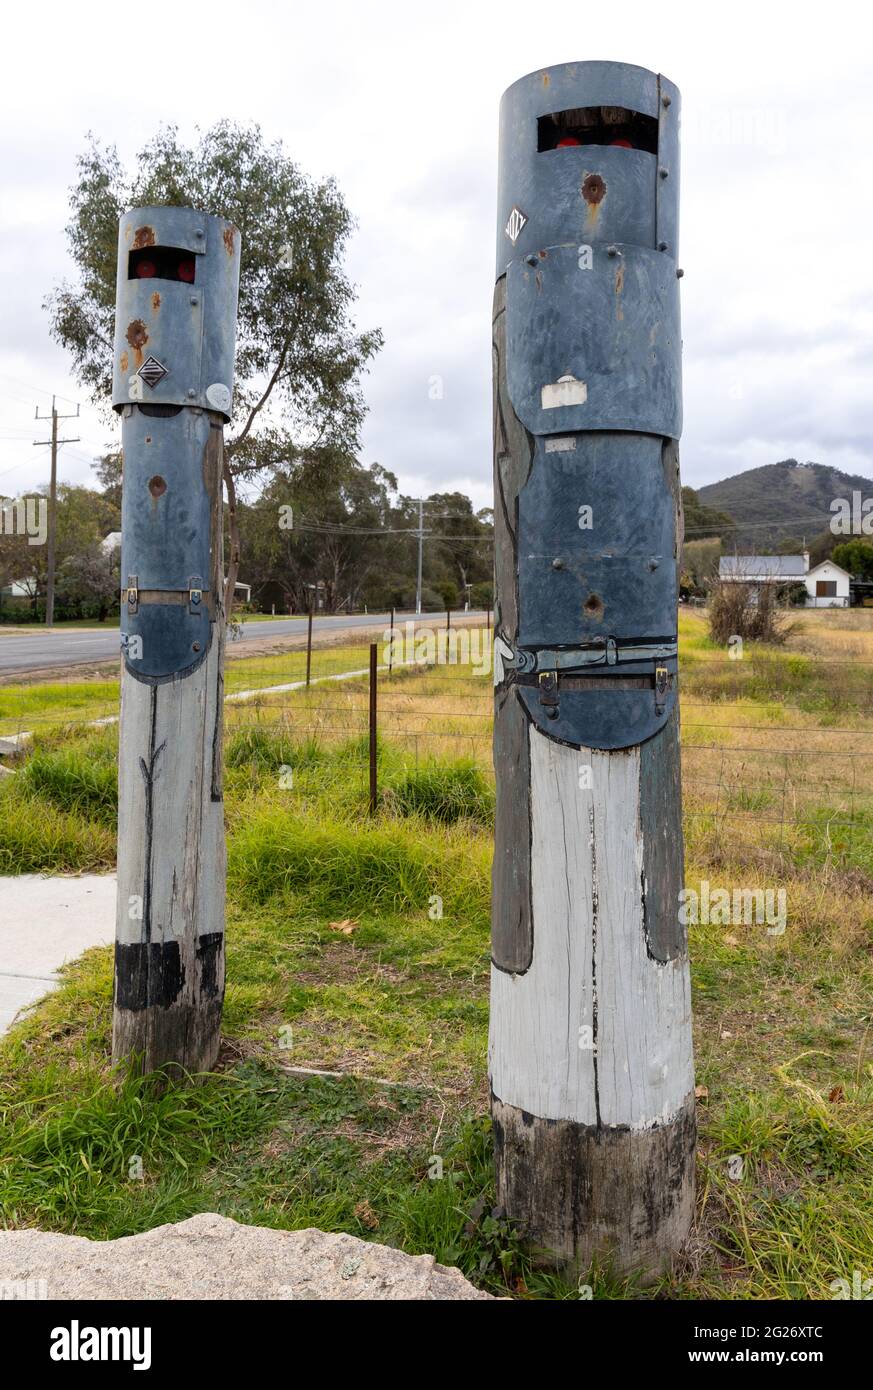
x=145 y=270
x=186 y=271
x=623 y=144
x=567 y=140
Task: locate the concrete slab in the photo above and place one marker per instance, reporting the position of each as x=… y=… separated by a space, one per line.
x=45 y=922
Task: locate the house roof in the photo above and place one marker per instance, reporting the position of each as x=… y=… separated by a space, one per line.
x=833 y=564
x=762 y=567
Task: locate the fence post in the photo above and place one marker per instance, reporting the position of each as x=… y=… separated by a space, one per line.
x=175 y=327
x=309 y=644
x=374 y=669
x=592 y=1078
x=391 y=645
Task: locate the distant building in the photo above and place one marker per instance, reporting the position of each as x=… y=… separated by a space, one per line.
x=827 y=585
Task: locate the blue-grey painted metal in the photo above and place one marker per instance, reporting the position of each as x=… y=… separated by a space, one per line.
x=173 y=384
x=187 y=327
x=587 y=237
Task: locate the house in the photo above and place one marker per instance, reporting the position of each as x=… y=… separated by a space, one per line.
x=827 y=585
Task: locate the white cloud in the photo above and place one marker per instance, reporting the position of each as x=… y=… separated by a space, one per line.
x=399 y=102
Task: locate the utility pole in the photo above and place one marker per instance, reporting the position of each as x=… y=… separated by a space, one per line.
x=51 y=530
x=591 y=1064
x=420 y=551
x=175 y=328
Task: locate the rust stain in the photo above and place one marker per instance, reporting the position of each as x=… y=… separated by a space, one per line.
x=157 y=486
x=539 y=282
x=546 y=79
x=144 y=236
x=593 y=189
x=156 y=302
x=137 y=335
x=228 y=236
x=594 y=607
x=124 y=362
x=619 y=287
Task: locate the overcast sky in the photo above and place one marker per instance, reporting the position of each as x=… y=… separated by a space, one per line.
x=399 y=103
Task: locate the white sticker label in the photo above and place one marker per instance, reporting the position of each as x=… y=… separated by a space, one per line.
x=218 y=395
x=559 y=443
x=517 y=221
x=565 y=391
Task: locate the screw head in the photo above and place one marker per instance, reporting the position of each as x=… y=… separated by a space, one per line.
x=679 y=274
x=663 y=173
x=557 y=563
x=612 y=250
x=195 y=646
x=199 y=232
x=191 y=393
x=662 y=246
x=193 y=299
x=665 y=100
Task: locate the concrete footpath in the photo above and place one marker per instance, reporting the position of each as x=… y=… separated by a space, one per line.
x=45 y=922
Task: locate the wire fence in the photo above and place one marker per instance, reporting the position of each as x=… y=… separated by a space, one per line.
x=779 y=745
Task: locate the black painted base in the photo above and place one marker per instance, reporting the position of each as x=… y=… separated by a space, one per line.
x=579 y=1192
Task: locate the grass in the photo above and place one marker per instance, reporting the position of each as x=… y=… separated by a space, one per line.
x=359 y=945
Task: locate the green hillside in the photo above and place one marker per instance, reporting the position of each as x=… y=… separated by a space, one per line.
x=782 y=502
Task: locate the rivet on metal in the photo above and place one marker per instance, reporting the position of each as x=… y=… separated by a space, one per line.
x=663 y=173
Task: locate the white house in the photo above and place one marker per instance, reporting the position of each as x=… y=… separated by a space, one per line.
x=827 y=586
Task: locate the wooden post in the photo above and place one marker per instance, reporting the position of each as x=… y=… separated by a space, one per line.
x=391 y=644
x=309 y=644
x=590 y=1038
x=172 y=385
x=374 y=671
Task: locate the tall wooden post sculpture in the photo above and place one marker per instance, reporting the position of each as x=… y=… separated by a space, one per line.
x=590 y=1048
x=178 y=279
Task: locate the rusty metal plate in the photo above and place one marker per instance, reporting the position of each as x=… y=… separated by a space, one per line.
x=608 y=323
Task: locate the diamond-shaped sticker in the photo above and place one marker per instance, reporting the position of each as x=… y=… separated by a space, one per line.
x=152 y=371
x=517 y=220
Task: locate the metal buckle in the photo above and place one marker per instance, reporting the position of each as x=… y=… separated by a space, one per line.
x=549 y=693
x=132 y=593
x=662 y=688
x=195 y=593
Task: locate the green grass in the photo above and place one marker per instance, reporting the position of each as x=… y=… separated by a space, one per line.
x=360 y=944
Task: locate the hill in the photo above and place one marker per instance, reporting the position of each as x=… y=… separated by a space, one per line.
x=781 y=502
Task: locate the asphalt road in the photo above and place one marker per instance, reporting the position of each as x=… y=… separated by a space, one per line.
x=33 y=651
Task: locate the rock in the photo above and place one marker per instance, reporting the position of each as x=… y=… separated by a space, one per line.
x=211 y=1257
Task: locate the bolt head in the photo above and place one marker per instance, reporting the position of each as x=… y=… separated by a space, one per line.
x=662 y=246
x=191 y=393
x=663 y=173
x=665 y=100
x=679 y=274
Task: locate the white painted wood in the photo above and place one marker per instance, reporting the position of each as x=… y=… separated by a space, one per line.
x=187 y=860
x=590 y=949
